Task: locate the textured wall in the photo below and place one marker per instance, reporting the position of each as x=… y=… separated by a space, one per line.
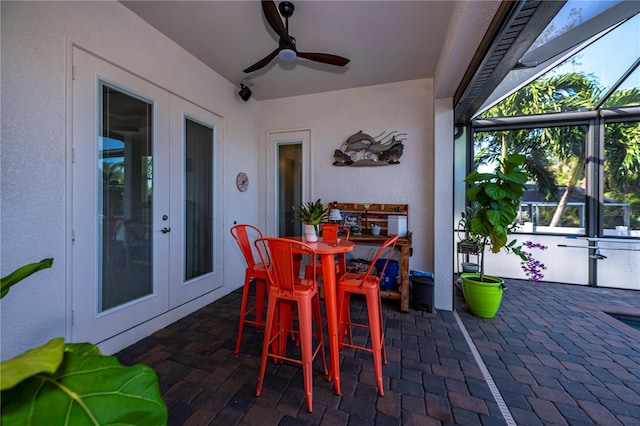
x=334 y=116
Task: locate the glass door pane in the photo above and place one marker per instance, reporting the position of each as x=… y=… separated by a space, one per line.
x=621 y=201
x=125 y=194
x=620 y=207
x=289 y=187
x=199 y=200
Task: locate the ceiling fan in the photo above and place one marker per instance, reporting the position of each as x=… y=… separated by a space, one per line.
x=286 y=50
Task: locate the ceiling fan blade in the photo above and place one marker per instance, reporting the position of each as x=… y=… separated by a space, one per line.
x=262 y=62
x=325 y=58
x=273 y=18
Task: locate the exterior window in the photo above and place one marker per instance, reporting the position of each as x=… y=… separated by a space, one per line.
x=555 y=197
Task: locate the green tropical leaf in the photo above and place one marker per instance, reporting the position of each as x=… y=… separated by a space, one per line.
x=476 y=226
x=497 y=242
x=517 y=177
x=508 y=214
x=513 y=161
x=22 y=273
x=43 y=359
x=472 y=192
x=513 y=190
x=87 y=390
x=479 y=177
x=494 y=217
x=495 y=191
x=82 y=348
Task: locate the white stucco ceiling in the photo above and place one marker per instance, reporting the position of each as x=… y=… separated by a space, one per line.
x=386 y=41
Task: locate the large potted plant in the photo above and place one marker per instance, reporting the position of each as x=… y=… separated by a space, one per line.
x=311 y=214
x=73 y=383
x=488 y=223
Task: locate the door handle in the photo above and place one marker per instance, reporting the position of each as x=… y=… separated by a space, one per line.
x=165 y=230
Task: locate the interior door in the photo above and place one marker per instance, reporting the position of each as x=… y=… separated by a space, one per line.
x=120 y=213
x=196 y=186
x=289 y=182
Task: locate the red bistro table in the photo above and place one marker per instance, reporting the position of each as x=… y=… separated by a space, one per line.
x=327 y=251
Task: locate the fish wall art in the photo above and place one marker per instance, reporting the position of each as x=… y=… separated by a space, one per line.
x=363 y=150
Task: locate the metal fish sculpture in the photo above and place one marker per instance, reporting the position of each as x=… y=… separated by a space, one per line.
x=341 y=159
x=361 y=149
x=392 y=155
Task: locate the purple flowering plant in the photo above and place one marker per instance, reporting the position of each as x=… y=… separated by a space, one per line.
x=532 y=268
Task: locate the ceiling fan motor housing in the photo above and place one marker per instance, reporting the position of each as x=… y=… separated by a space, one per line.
x=286 y=9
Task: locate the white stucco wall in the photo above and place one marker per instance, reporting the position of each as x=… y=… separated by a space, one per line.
x=36 y=40
x=332 y=117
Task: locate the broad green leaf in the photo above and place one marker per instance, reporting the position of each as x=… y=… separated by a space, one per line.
x=494 y=191
x=518 y=252
x=494 y=217
x=87 y=390
x=508 y=214
x=82 y=348
x=513 y=161
x=514 y=190
x=22 y=273
x=517 y=177
x=43 y=359
x=477 y=176
x=472 y=192
x=497 y=242
x=476 y=227
x=516 y=158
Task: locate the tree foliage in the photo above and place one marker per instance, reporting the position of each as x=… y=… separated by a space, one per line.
x=558 y=154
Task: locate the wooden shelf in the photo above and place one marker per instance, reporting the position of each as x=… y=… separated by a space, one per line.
x=378 y=214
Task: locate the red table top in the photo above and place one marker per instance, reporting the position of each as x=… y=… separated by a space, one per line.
x=321 y=247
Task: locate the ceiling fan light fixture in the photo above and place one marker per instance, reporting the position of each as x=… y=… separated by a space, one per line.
x=287 y=55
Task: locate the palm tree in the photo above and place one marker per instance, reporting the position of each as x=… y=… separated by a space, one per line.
x=564 y=144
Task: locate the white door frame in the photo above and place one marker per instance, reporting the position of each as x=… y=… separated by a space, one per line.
x=276 y=139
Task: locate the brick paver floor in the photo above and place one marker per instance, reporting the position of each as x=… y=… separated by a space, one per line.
x=551 y=355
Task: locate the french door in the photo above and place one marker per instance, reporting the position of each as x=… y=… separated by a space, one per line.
x=146 y=171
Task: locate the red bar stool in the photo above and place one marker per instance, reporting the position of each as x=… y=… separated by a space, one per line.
x=287 y=289
x=245 y=235
x=368 y=285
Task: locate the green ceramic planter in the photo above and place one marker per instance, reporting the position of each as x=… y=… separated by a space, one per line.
x=483 y=297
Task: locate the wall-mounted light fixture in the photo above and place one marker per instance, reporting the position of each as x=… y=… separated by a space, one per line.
x=245 y=92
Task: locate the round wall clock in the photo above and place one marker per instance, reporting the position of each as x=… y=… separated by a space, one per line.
x=242 y=182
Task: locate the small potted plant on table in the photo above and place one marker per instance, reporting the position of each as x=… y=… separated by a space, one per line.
x=495 y=198
x=311 y=214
